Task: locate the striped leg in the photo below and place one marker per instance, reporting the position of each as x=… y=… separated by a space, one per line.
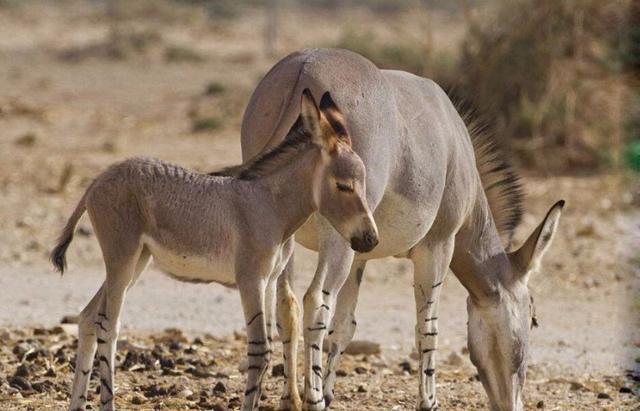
x=119 y=278
x=431 y=263
x=289 y=330
x=86 y=351
x=252 y=292
x=343 y=326
x=319 y=300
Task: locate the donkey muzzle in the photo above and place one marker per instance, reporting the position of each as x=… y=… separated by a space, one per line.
x=365 y=243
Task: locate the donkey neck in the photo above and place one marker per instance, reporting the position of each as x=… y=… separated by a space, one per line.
x=480 y=261
x=290 y=189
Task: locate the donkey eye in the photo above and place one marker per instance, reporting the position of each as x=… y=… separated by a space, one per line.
x=344 y=187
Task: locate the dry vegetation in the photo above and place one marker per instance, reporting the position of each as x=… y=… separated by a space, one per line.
x=84 y=84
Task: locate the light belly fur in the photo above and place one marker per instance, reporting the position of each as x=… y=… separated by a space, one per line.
x=191 y=267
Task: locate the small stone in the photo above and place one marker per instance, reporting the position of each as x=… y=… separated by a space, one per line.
x=455 y=359
x=137 y=399
x=341 y=373
x=20 y=383
x=277 y=370
x=575 y=386
x=26 y=140
x=186 y=394
x=361 y=388
x=360 y=370
x=625 y=390
x=406 y=366
x=362 y=347
x=540 y=404
x=219 y=388
x=22 y=371
x=604 y=396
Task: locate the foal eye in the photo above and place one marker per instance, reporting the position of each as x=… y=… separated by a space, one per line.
x=344 y=187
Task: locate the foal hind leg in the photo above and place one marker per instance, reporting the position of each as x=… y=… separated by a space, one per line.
x=86 y=351
x=343 y=326
x=119 y=277
x=289 y=330
x=431 y=262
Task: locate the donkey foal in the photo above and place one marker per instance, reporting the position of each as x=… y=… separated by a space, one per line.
x=209 y=228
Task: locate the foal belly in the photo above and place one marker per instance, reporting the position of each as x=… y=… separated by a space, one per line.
x=185 y=266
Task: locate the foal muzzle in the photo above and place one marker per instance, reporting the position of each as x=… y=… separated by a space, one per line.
x=365 y=243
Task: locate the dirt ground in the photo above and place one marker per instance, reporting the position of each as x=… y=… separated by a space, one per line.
x=70 y=105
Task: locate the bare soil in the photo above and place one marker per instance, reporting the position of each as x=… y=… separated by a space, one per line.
x=69 y=108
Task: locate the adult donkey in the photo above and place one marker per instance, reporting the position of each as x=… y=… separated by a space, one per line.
x=440 y=197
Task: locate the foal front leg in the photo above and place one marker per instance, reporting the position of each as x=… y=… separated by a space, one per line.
x=252 y=292
x=431 y=263
x=319 y=302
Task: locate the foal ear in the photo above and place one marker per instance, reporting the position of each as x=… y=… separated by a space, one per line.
x=310 y=115
x=527 y=258
x=334 y=116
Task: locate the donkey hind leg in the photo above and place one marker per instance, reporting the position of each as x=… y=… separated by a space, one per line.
x=319 y=301
x=343 y=326
x=252 y=294
x=86 y=351
x=431 y=263
x=289 y=330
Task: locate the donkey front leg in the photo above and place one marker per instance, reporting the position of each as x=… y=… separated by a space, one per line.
x=431 y=263
x=333 y=268
x=343 y=326
x=252 y=289
x=289 y=330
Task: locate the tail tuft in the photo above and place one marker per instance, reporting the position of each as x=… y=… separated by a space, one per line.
x=58 y=254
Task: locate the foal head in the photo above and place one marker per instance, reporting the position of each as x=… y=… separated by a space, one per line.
x=499 y=326
x=339 y=190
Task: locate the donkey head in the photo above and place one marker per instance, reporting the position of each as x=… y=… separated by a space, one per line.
x=499 y=326
x=339 y=191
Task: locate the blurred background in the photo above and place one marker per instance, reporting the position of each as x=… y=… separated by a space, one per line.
x=85 y=83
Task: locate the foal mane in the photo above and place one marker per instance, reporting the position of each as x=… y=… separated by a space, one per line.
x=500 y=181
x=296 y=140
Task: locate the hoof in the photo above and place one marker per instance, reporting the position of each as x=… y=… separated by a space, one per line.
x=425 y=407
x=291 y=405
x=314 y=405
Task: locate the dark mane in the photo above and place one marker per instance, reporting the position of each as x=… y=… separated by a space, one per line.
x=502 y=185
x=297 y=138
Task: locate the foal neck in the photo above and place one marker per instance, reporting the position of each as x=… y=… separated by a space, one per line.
x=290 y=188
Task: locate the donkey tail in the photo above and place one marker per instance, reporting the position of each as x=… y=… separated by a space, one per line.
x=57 y=257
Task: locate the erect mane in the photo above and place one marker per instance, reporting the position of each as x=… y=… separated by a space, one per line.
x=502 y=185
x=297 y=139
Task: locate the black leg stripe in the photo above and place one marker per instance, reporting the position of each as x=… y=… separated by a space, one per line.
x=254 y=318
x=436 y=284
x=259 y=354
x=101 y=341
x=325 y=292
x=256 y=342
x=106 y=385
x=104 y=360
x=324 y=327
x=86 y=372
x=317 y=370
x=428 y=350
x=315 y=402
x=429 y=371
x=251 y=390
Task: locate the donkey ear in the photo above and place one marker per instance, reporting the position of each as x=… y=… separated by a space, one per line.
x=334 y=116
x=527 y=258
x=310 y=115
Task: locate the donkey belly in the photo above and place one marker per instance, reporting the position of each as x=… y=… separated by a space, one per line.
x=193 y=267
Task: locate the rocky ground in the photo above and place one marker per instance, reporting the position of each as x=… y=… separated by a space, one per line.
x=172 y=371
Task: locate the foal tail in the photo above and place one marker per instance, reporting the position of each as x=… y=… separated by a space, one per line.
x=57 y=257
